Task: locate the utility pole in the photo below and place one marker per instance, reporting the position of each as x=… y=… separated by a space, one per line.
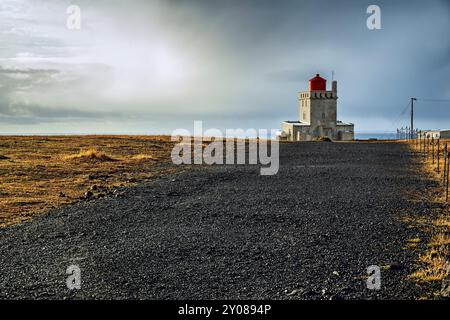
x=412 y=116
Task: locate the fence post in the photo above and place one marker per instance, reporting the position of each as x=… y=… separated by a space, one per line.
x=429 y=149
x=432 y=149
x=438 y=154
x=446 y=182
x=445 y=164
x=423 y=145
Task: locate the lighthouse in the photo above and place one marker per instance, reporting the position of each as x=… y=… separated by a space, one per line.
x=317 y=115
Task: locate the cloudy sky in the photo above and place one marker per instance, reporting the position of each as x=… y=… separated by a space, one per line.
x=154 y=66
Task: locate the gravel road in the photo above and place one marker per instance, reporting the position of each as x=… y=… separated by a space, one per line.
x=226 y=232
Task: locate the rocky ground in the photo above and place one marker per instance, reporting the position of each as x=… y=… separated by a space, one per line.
x=221 y=232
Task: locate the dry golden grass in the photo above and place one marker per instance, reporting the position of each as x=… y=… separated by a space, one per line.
x=443 y=222
x=38 y=173
x=35 y=170
x=413 y=243
x=415 y=240
x=434 y=264
x=439 y=240
x=91 y=154
x=144 y=157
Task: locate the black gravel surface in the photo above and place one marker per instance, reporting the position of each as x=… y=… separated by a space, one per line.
x=226 y=232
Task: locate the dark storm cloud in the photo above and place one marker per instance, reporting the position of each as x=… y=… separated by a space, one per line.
x=377 y=70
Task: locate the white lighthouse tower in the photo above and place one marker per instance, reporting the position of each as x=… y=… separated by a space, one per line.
x=317 y=115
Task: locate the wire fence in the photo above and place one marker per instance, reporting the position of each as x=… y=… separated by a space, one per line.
x=435 y=150
x=407 y=133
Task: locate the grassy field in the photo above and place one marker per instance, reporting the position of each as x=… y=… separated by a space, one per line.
x=38 y=173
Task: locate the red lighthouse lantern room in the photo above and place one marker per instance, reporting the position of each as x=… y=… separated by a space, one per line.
x=317 y=84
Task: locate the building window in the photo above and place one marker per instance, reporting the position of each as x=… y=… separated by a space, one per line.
x=323 y=115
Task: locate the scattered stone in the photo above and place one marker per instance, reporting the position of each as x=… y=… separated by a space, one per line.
x=88 y=194
x=2 y=157
x=62 y=194
x=294 y=292
x=336 y=297
x=94 y=187
x=336 y=273
x=396 y=266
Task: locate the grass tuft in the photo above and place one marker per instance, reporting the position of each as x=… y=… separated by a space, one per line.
x=90 y=155
x=442 y=222
x=435 y=266
x=440 y=239
x=144 y=157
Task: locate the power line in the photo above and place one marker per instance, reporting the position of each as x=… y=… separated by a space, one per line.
x=400 y=119
x=402 y=113
x=404 y=130
x=434 y=100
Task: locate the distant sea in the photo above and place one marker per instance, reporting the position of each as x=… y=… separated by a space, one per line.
x=358 y=135
x=378 y=135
